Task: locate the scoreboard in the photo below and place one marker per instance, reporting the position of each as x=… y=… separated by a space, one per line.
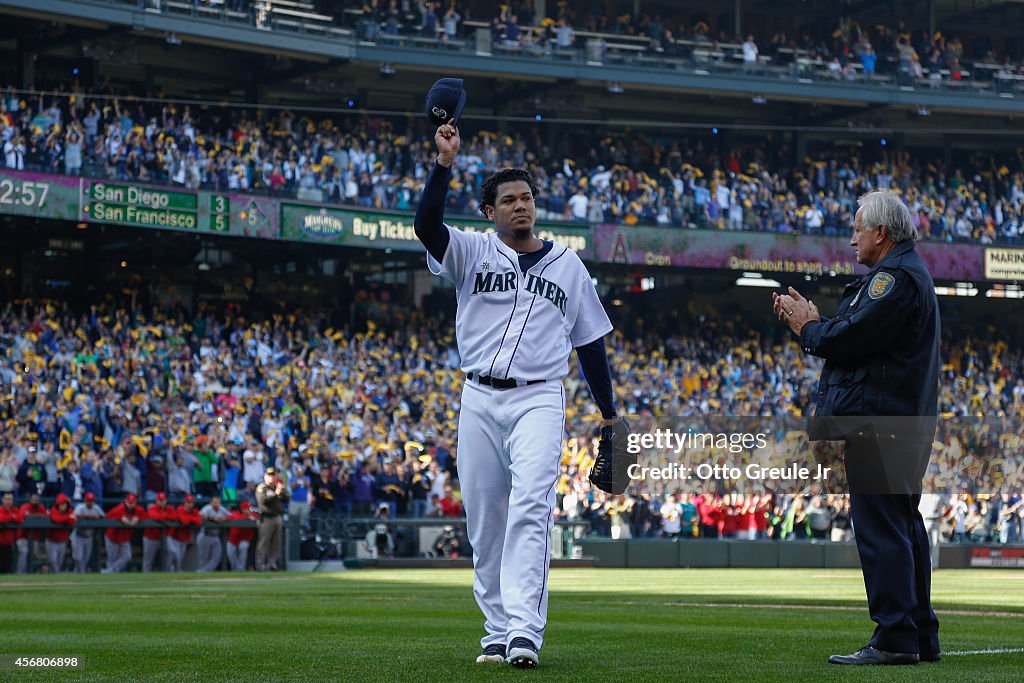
x=140 y=205
x=148 y=207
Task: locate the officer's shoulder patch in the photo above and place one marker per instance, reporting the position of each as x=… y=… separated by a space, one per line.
x=881 y=284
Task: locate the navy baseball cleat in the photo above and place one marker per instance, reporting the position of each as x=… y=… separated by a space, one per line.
x=495 y=652
x=870 y=655
x=522 y=654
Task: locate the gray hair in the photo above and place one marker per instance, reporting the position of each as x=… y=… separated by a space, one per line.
x=884 y=207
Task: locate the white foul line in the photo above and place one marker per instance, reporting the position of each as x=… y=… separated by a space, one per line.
x=1000 y=651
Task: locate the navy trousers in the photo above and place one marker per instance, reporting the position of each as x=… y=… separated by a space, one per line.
x=885 y=490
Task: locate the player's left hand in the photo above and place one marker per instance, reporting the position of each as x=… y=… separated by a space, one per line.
x=611 y=468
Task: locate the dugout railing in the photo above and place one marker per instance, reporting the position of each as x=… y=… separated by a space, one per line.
x=306 y=538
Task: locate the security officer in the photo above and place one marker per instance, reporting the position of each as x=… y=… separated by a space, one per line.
x=272 y=498
x=878 y=391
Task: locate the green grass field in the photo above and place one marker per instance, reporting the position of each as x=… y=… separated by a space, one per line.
x=422 y=625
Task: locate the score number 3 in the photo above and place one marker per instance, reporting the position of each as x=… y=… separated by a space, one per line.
x=220 y=207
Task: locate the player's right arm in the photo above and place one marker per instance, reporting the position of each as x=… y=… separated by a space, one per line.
x=429 y=225
x=448 y=249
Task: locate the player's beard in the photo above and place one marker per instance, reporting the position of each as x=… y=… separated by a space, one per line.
x=523 y=234
x=521 y=230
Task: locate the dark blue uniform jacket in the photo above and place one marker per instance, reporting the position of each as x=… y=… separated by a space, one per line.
x=881 y=351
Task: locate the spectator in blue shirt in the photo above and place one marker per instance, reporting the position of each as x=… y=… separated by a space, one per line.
x=512 y=31
x=868 y=59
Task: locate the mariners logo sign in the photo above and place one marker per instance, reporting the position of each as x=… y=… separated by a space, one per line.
x=322 y=224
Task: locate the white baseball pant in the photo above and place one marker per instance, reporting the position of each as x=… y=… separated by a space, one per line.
x=208 y=552
x=81 y=552
x=175 y=555
x=26 y=547
x=238 y=555
x=150 y=550
x=510 y=445
x=55 y=552
x=118 y=555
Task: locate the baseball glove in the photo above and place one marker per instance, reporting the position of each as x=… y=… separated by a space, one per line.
x=611 y=468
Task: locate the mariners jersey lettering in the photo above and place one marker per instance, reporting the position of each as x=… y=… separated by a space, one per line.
x=486 y=282
x=515 y=325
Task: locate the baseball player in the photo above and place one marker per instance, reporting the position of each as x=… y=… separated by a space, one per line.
x=8 y=515
x=180 y=536
x=208 y=544
x=82 y=539
x=154 y=537
x=523 y=305
x=118 y=540
x=57 y=539
x=239 y=538
x=28 y=539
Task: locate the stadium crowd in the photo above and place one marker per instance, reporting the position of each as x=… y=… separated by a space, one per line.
x=849 y=50
x=625 y=178
x=113 y=404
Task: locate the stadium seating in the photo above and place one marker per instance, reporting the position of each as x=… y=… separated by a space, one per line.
x=674 y=181
x=375 y=409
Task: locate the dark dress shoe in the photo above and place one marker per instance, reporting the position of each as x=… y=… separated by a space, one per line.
x=869 y=655
x=931 y=657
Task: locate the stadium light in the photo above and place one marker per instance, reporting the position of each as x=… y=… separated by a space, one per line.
x=959 y=289
x=756 y=281
x=1005 y=292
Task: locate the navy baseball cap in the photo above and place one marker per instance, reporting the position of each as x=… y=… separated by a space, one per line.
x=445 y=101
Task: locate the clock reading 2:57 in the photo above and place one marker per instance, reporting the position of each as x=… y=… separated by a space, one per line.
x=28 y=193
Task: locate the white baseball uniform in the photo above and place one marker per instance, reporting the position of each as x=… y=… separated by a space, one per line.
x=238 y=555
x=55 y=553
x=208 y=544
x=82 y=539
x=512 y=325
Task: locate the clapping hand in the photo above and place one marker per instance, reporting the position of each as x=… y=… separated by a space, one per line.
x=794 y=310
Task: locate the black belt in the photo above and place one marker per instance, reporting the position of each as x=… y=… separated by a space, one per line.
x=503 y=383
